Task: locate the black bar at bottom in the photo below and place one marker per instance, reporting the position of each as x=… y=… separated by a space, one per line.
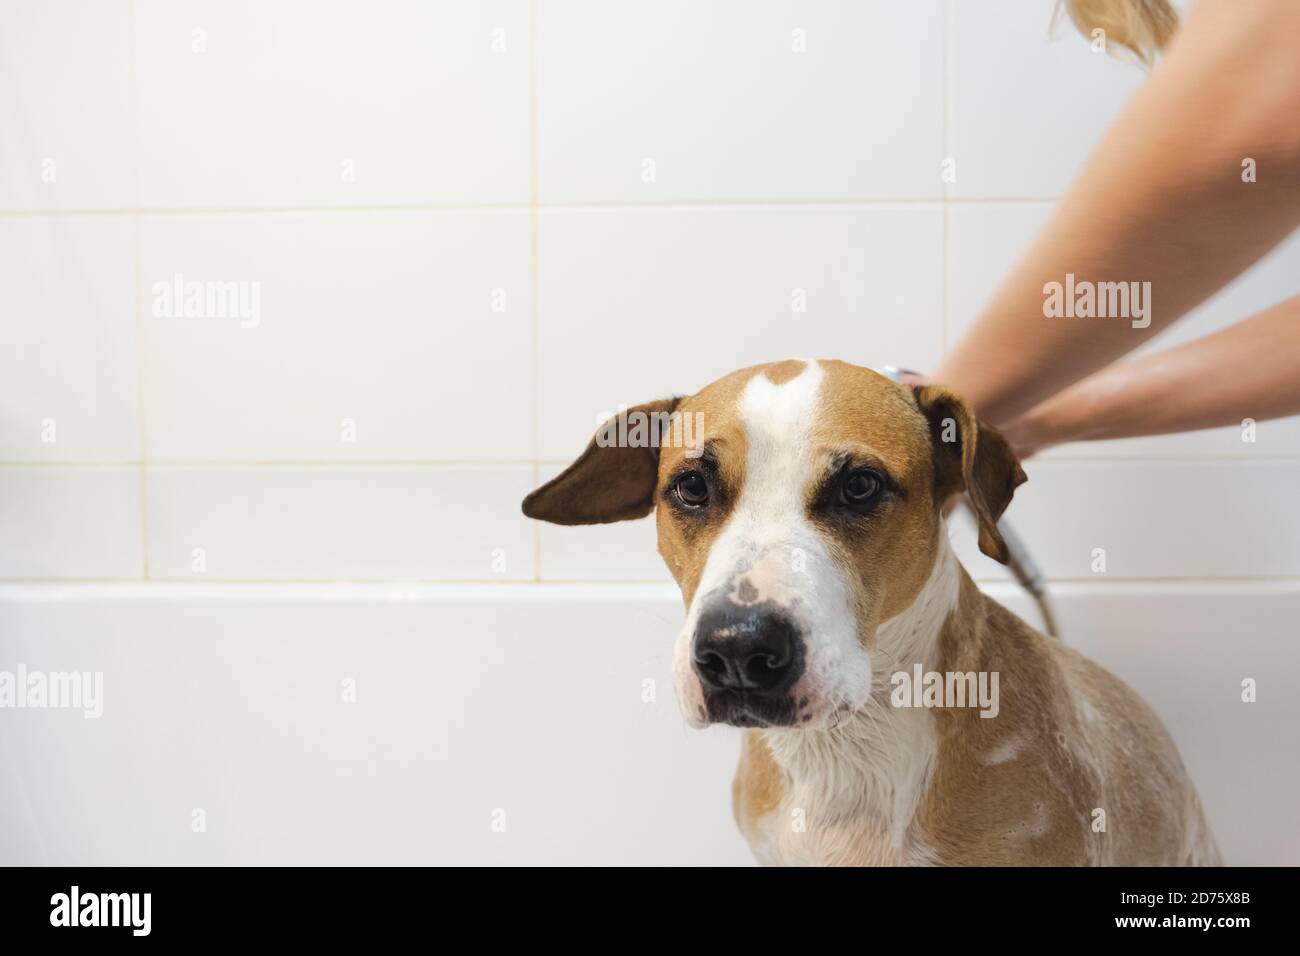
x=334 y=905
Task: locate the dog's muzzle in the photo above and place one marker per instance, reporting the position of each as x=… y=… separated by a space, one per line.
x=748 y=658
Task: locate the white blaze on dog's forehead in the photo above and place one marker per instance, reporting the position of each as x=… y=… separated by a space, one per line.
x=777 y=420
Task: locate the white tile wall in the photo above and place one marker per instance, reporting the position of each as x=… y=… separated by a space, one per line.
x=499 y=271
x=69 y=388
x=78 y=523
x=737 y=99
x=65 y=105
x=681 y=297
x=1027 y=103
x=381 y=336
x=1154 y=519
x=328 y=102
x=340 y=523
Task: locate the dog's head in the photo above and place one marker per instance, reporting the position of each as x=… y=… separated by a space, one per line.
x=799 y=508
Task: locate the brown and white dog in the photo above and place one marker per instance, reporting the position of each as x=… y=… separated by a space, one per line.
x=804 y=527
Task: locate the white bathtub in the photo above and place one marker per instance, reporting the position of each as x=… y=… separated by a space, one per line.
x=519 y=724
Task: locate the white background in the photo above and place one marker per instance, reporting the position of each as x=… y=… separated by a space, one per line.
x=499 y=150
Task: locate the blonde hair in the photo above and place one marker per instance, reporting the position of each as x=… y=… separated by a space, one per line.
x=1142 y=27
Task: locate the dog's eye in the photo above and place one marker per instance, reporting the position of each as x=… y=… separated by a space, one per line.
x=860 y=487
x=692 y=490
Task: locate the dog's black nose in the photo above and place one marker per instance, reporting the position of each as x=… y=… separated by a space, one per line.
x=746 y=648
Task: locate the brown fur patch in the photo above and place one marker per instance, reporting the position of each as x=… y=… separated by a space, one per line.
x=1069 y=739
x=778 y=373
x=866 y=413
x=685 y=546
x=758 y=786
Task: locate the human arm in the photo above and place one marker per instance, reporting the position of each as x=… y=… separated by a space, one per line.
x=1162 y=200
x=1248 y=371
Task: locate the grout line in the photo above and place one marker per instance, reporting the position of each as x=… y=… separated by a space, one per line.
x=1101 y=580
x=1197 y=580
x=143 y=464
x=577 y=205
x=267 y=210
x=287 y=463
x=537 y=534
x=20 y=580
x=945 y=257
x=223 y=464
x=204 y=579
x=534 y=186
x=949 y=45
x=1169 y=460
x=138 y=305
x=944 y=249
x=945 y=281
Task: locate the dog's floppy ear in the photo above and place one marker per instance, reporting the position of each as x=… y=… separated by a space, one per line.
x=971 y=456
x=615 y=478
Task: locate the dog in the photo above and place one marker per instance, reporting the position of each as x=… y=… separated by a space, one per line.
x=804 y=525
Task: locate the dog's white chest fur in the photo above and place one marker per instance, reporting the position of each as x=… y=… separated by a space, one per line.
x=851 y=793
